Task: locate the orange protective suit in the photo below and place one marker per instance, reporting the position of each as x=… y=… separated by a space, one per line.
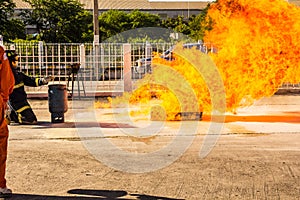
x=6 y=87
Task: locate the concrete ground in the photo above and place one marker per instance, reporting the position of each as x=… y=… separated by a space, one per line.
x=101 y=154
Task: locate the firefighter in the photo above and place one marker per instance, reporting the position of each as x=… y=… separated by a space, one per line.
x=6 y=87
x=20 y=109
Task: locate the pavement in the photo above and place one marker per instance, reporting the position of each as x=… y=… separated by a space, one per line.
x=107 y=154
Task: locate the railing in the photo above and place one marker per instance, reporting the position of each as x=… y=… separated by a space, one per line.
x=101 y=66
x=40 y=59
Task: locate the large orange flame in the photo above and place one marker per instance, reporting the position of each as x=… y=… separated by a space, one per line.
x=259 y=46
x=177 y=84
x=190 y=83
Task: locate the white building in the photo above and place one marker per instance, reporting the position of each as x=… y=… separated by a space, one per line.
x=164 y=8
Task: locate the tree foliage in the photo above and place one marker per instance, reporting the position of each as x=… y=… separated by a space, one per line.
x=10 y=28
x=178 y=24
x=195 y=27
x=6 y=10
x=113 y=22
x=65 y=21
x=200 y=24
x=60 y=20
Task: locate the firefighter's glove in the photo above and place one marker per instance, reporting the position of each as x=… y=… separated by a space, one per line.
x=47 y=79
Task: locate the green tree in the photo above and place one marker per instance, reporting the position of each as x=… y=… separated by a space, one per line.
x=200 y=24
x=10 y=28
x=142 y=19
x=113 y=22
x=60 y=21
x=178 y=24
x=195 y=27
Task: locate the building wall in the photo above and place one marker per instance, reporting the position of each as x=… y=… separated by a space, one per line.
x=143 y=5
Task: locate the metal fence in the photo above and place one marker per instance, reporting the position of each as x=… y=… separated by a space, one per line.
x=39 y=59
x=101 y=66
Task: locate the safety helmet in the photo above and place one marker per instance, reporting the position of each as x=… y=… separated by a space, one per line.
x=11 y=55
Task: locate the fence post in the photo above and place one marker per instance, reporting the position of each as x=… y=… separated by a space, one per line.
x=82 y=55
x=40 y=53
x=148 y=50
x=127 y=68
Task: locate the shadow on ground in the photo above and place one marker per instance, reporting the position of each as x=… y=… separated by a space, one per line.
x=44 y=125
x=91 y=195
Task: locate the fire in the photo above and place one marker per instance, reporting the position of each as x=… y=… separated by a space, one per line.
x=258 y=44
x=182 y=85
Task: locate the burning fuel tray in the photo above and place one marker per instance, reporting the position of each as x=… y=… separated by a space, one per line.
x=158 y=114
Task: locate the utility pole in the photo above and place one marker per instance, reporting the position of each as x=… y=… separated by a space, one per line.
x=96 y=23
x=96 y=39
